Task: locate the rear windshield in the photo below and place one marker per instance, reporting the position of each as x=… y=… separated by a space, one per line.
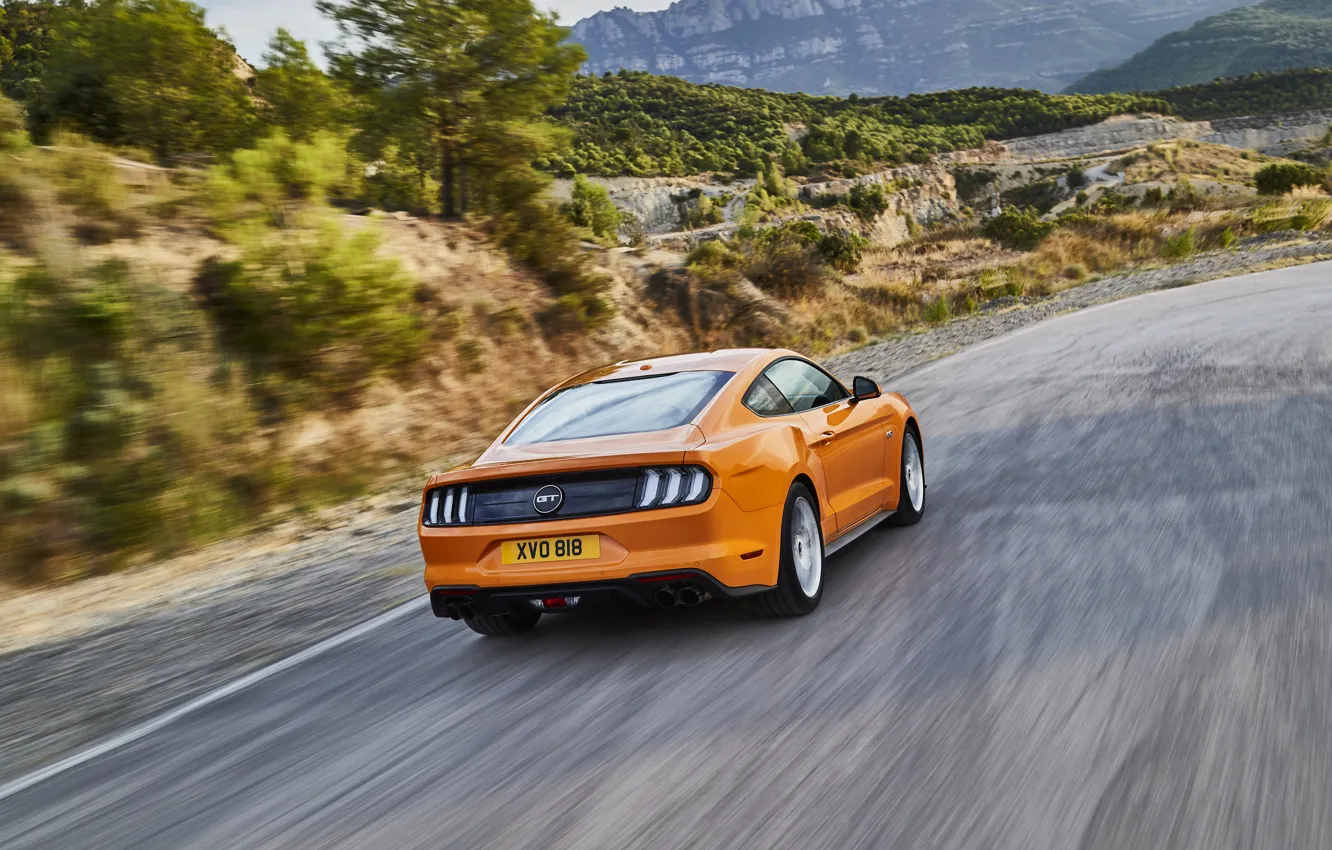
x=627 y=406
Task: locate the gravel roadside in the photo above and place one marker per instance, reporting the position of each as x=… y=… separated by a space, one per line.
x=104 y=674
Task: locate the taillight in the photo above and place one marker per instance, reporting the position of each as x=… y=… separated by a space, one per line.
x=673 y=486
x=446 y=506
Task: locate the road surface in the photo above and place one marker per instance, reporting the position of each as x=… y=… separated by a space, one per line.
x=1112 y=630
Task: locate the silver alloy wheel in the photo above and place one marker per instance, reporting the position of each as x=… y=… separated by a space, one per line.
x=914 y=472
x=807 y=547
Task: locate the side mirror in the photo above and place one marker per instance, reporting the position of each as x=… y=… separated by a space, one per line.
x=864 y=389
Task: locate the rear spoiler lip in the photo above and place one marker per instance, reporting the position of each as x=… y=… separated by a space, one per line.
x=558 y=464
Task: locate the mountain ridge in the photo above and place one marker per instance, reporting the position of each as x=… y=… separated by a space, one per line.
x=882 y=47
x=1277 y=35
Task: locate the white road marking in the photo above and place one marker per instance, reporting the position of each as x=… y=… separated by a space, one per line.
x=147 y=728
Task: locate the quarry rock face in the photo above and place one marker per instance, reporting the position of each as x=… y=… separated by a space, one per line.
x=883 y=47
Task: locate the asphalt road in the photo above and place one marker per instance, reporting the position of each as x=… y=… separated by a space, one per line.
x=1112 y=630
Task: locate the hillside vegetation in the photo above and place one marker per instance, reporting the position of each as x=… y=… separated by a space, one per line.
x=644 y=125
x=637 y=124
x=1272 y=36
x=1263 y=93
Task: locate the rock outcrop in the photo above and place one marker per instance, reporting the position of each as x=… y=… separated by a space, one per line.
x=878 y=47
x=1271 y=134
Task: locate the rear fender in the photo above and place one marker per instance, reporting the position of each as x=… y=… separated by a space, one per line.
x=755 y=467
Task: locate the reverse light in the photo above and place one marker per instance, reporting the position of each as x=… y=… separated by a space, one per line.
x=673 y=486
x=446 y=506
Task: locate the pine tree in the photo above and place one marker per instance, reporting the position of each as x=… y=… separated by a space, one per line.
x=474 y=76
x=298 y=96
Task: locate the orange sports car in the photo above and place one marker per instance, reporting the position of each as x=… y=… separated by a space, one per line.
x=671 y=482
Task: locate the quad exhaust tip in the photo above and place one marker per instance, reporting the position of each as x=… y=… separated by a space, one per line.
x=687 y=594
x=458 y=610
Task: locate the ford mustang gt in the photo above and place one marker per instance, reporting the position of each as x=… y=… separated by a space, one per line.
x=671 y=482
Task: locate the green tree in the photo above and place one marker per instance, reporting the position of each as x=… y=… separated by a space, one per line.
x=474 y=77
x=148 y=73
x=297 y=95
x=25 y=41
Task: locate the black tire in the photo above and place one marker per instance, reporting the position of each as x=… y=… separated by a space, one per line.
x=907 y=513
x=788 y=599
x=516 y=622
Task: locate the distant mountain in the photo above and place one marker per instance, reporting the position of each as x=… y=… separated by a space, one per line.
x=1272 y=36
x=883 y=47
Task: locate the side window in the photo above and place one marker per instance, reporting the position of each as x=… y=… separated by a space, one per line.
x=764 y=399
x=804 y=385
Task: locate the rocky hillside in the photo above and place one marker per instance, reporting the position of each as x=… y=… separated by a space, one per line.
x=877 y=47
x=1272 y=36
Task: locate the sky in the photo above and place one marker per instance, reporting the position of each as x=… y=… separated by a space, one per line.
x=250 y=23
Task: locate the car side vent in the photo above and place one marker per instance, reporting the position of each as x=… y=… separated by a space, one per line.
x=673 y=486
x=448 y=506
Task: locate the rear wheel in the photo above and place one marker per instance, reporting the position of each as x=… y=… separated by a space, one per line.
x=911 y=502
x=800 y=571
x=518 y=621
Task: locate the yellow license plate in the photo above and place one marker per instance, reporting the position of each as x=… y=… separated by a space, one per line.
x=550 y=549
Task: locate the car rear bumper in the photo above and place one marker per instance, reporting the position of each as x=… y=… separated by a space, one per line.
x=645 y=590
x=732 y=547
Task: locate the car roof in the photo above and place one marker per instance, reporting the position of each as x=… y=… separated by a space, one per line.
x=723 y=360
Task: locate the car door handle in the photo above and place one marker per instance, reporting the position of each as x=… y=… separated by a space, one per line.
x=825 y=438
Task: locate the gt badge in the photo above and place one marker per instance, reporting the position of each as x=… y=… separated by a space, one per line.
x=548 y=499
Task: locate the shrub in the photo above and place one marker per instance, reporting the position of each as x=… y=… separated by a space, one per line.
x=869 y=202
x=1312 y=214
x=1153 y=197
x=1272 y=217
x=1179 y=247
x=13 y=126
x=995 y=283
x=1043 y=195
x=1076 y=178
x=591 y=207
x=1281 y=177
x=785 y=261
x=535 y=233
x=574 y=313
x=1020 y=230
x=843 y=251
x=713 y=252
x=938 y=311
x=1112 y=202
x=313 y=312
x=314 y=316
x=1185 y=197
x=972 y=184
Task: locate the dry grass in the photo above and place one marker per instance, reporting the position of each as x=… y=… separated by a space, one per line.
x=1169 y=161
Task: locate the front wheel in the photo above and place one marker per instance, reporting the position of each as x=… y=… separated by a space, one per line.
x=800 y=571
x=911 y=501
